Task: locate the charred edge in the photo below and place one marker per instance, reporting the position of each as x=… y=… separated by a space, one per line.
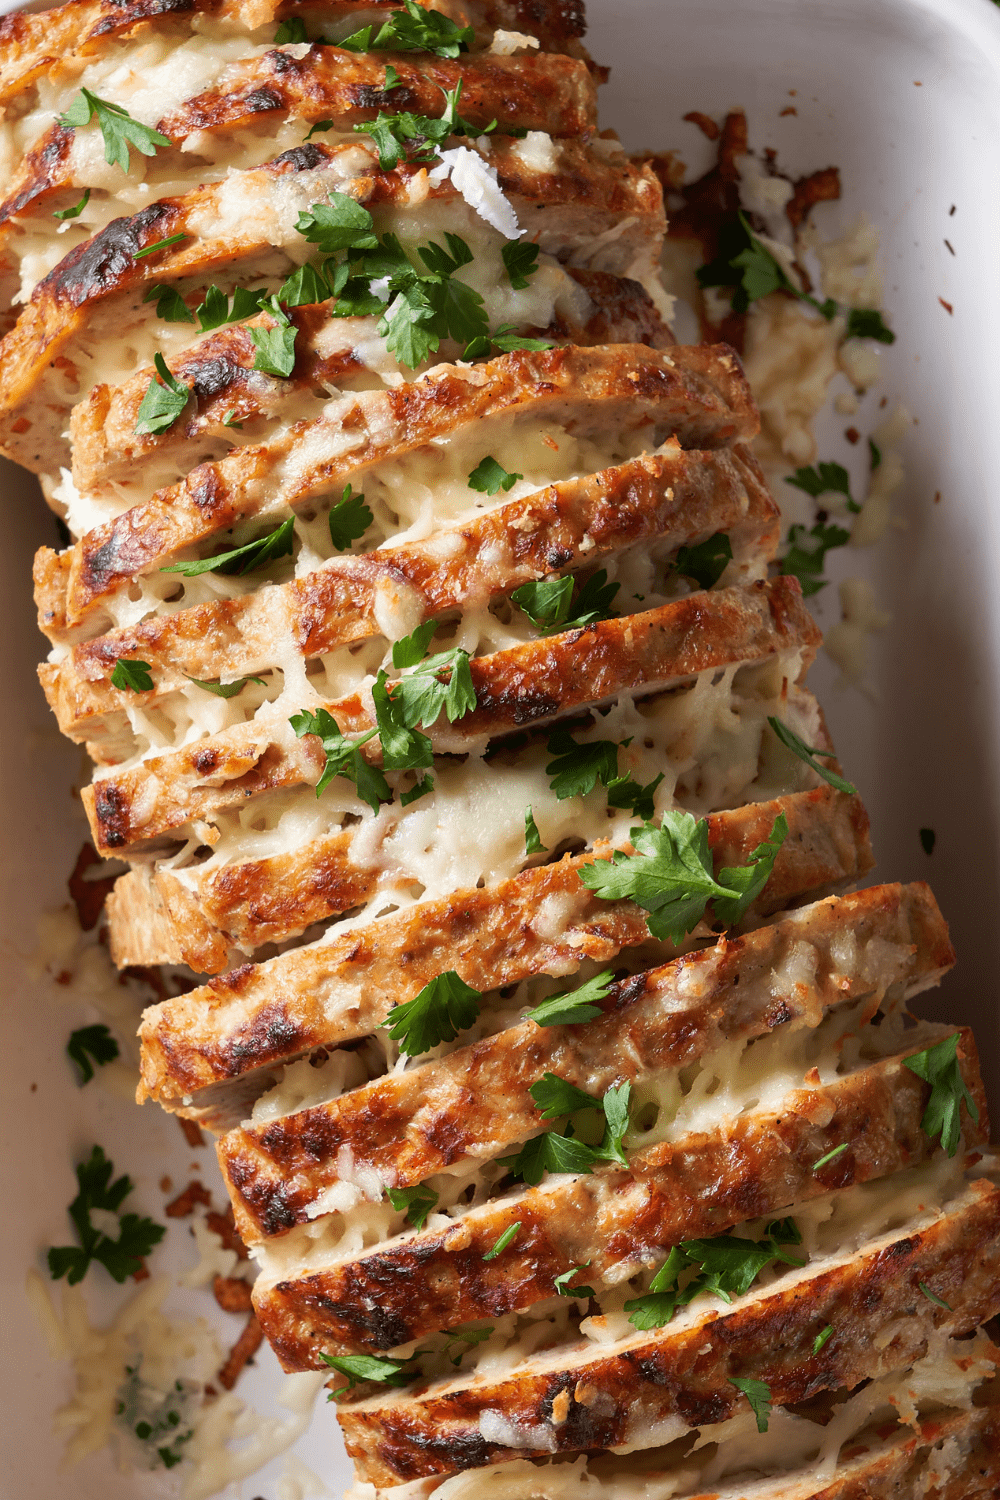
x=43 y=166
x=99 y=265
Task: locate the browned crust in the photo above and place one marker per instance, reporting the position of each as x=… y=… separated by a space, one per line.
x=698 y=394
x=679 y=497
x=218 y=369
x=750 y=1167
x=405 y=1127
x=529 y=684
x=264 y=1014
x=587 y=190
x=55 y=42
x=536 y=91
x=686 y=1374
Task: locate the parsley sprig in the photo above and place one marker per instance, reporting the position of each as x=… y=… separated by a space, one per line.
x=418 y=1202
x=550 y=605
x=671 y=878
x=116 y=125
x=409 y=137
x=164 y=400
x=939 y=1067
x=805 y=557
x=553 y=1151
x=437 y=1014
x=412 y=30
x=824 y=479
x=707 y=561
x=343 y=756
x=747 y=265
x=361 y=1367
x=571 y=1007
x=89 y=1045
x=724 y=1266
x=240 y=560
x=808 y=753
x=132 y=675
x=137 y=1236
x=758 y=1393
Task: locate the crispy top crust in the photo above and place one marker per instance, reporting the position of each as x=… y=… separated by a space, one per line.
x=528 y=684
x=408 y=1126
x=584 y=189
x=546 y=92
x=263 y=1014
x=699 y=394
x=684 y=1372
x=681 y=497
x=615 y=1222
x=56 y=42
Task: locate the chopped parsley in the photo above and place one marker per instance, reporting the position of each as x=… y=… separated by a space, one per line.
x=349 y=519
x=173 y=239
x=293 y=30
x=216 y=310
x=339 y=224
x=439 y=684
x=226 y=689
x=707 y=561
x=532 y=838
x=724 y=1266
x=137 y=1236
x=246 y=559
x=343 y=757
x=548 y=602
x=470 y=1337
x=508 y=1236
x=577 y=769
x=555 y=1096
x=824 y=1335
x=170 y=305
x=866 y=323
x=746 y=264
x=403 y=748
x=90 y=1045
x=671 y=878
x=627 y=793
x=131 y=674
x=520 y=259
x=758 y=1393
x=413 y=647
x=419 y=789
x=275 y=347
x=933 y=1297
x=409 y=137
x=165 y=399
x=412 y=30
x=824 y=479
x=808 y=753
x=874 y=455
x=563 y=1288
x=76 y=210
x=305 y=287
x=361 y=1367
x=570 y=1007
x=418 y=1202
x=805 y=558
x=503 y=339
x=490 y=477
x=939 y=1067
x=437 y=1014
x=116 y=125
x=555 y=1152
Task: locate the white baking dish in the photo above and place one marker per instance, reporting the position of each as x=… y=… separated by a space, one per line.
x=903 y=95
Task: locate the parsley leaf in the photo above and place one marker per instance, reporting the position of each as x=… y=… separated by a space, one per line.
x=226 y=689
x=164 y=400
x=91 y=1042
x=419 y=789
x=132 y=674
x=275 y=346
x=808 y=754
x=422 y=696
x=824 y=479
x=822 y=1337
x=549 y=1152
x=724 y=1266
x=339 y=224
x=520 y=259
x=418 y=1202
x=343 y=757
x=437 y=1014
x=415 y=30
x=570 y=1007
x=616 y=1105
x=758 y=1393
x=361 y=1367
x=939 y=1067
x=866 y=323
x=547 y=601
x=489 y=477
x=293 y=30
x=173 y=239
x=319 y=128
x=136 y=1238
x=117 y=127
x=933 y=1297
x=563 y=1288
x=215 y=310
x=245 y=559
x=349 y=519
x=403 y=748
x=532 y=838
x=707 y=561
x=406 y=136
x=806 y=555
x=509 y=1234
x=305 y=287
x=577 y=769
x=76 y=210
x=626 y=792
x=830 y=1156
x=413 y=648
x=874 y=455
x=671 y=875
x=506 y=340
x=170 y=305
x=554 y=1096
x=747 y=265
